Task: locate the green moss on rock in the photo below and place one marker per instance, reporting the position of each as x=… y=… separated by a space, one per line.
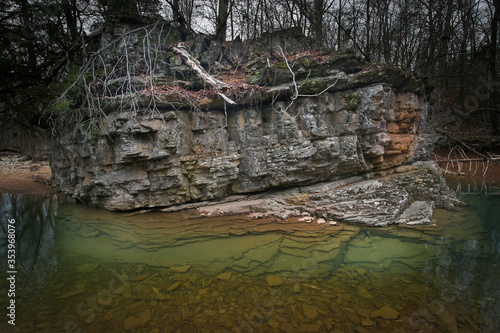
x=312 y=86
x=351 y=101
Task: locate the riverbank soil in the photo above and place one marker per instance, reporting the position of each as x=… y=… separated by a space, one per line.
x=18 y=174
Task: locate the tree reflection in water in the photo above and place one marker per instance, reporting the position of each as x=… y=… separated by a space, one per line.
x=36 y=256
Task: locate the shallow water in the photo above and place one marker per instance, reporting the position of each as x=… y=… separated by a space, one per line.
x=81 y=269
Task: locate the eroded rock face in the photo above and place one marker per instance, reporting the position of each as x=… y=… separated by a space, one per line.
x=180 y=156
x=406 y=194
x=272 y=122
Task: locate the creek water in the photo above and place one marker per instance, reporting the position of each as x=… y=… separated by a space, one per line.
x=82 y=269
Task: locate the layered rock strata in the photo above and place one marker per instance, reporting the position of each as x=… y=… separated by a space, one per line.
x=406 y=194
x=294 y=130
x=182 y=156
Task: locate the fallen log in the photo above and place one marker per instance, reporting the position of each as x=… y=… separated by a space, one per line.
x=467 y=146
x=180 y=49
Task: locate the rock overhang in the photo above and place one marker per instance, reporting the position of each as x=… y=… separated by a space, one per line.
x=290 y=131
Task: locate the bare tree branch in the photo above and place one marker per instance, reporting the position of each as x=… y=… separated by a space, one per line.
x=296 y=86
x=467 y=146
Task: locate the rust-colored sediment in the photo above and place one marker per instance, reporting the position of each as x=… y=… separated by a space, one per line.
x=19 y=175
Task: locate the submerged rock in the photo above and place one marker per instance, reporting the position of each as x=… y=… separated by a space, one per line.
x=385 y=312
x=224 y=276
x=87 y=268
x=274 y=280
x=310 y=311
x=180 y=269
x=135 y=322
x=364 y=293
x=174 y=286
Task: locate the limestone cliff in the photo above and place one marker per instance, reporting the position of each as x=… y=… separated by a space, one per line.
x=311 y=119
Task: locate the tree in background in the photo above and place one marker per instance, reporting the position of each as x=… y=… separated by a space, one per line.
x=222 y=17
x=40 y=40
x=452 y=42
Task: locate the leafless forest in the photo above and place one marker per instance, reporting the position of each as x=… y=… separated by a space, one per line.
x=453 y=43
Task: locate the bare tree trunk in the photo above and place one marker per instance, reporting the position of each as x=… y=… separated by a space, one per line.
x=202 y=73
x=386 y=39
x=222 y=14
x=28 y=34
x=339 y=29
x=255 y=18
x=445 y=39
x=119 y=9
x=429 y=68
x=176 y=11
x=184 y=22
x=368 y=18
x=318 y=22
x=493 y=70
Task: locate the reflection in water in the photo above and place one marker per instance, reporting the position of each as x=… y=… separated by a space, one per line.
x=464 y=266
x=208 y=245
x=36 y=256
x=160 y=272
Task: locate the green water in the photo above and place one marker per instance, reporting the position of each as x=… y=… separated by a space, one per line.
x=81 y=269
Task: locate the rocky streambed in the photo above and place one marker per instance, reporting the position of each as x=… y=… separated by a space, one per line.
x=98 y=270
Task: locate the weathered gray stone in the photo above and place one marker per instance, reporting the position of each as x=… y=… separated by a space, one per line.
x=345 y=121
x=419 y=212
x=189 y=156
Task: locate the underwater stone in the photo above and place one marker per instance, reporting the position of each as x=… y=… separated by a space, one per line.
x=310 y=311
x=135 y=322
x=224 y=276
x=86 y=268
x=385 y=312
x=174 y=286
x=180 y=269
x=274 y=280
x=364 y=293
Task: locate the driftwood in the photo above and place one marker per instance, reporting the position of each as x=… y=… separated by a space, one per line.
x=180 y=49
x=486 y=157
x=466 y=160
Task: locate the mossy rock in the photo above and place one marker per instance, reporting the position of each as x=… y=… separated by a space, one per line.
x=348 y=62
x=306 y=62
x=351 y=101
x=280 y=65
x=391 y=75
x=312 y=86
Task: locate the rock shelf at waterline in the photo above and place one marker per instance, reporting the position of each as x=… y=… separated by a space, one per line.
x=293 y=121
